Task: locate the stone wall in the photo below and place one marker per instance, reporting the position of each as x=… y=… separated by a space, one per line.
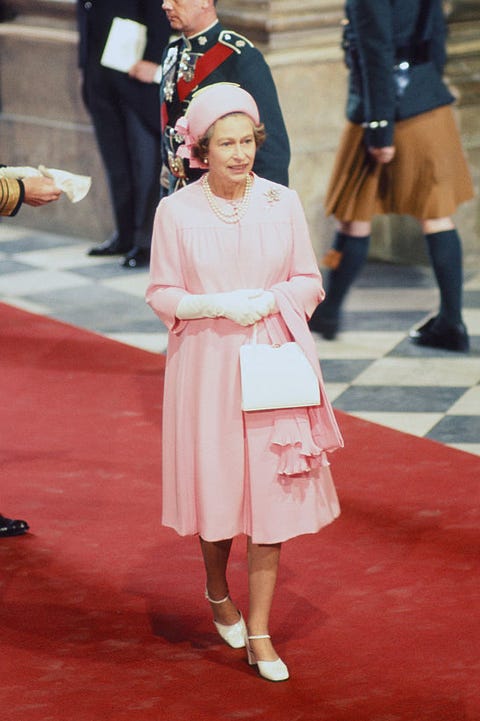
x=43 y=119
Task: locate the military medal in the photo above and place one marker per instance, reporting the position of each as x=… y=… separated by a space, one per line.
x=170 y=60
x=168 y=90
x=186 y=66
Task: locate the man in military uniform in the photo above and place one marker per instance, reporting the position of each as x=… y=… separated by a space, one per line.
x=206 y=53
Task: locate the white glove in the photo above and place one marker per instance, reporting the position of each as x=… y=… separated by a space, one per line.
x=265 y=303
x=15 y=172
x=74 y=186
x=245 y=306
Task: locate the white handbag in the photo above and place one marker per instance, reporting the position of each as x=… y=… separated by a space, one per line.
x=276 y=376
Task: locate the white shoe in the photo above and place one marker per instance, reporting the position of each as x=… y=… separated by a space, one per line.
x=234 y=634
x=271 y=670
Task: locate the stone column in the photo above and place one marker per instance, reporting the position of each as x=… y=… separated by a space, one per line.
x=278 y=24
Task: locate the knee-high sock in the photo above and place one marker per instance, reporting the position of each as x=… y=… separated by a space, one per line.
x=354 y=252
x=445 y=252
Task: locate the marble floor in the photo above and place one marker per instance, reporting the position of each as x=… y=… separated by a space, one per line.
x=371 y=370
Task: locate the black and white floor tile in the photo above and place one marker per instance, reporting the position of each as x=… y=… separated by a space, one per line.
x=371 y=370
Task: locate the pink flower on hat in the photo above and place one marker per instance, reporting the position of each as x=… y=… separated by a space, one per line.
x=185 y=150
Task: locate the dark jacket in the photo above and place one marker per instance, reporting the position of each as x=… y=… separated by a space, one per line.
x=95 y=18
x=245 y=66
x=378 y=37
x=94 y=22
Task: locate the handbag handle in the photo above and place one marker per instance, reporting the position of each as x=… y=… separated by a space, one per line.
x=254 y=337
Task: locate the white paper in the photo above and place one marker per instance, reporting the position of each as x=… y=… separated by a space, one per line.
x=73 y=185
x=125 y=44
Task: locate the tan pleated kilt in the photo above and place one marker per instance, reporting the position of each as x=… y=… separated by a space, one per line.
x=428 y=177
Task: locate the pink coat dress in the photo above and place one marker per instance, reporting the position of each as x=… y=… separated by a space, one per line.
x=226 y=472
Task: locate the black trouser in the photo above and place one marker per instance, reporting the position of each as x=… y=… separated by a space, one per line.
x=129 y=144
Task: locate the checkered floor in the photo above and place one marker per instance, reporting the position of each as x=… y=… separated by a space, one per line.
x=371 y=371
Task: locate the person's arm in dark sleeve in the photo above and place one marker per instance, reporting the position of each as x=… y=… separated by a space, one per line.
x=374 y=41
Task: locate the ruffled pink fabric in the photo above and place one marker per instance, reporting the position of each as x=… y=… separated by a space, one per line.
x=297 y=450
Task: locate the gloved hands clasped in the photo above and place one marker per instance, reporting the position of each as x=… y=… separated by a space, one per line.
x=245 y=306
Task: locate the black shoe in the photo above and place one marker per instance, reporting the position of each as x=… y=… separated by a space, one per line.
x=436 y=333
x=112 y=246
x=11 y=527
x=136 y=258
x=327 y=327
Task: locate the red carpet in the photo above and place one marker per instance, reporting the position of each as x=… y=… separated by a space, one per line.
x=102 y=613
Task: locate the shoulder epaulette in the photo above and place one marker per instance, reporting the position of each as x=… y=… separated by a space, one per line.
x=234 y=40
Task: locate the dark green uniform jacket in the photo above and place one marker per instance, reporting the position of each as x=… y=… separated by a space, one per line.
x=381 y=35
x=244 y=65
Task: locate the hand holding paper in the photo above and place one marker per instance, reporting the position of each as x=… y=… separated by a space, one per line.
x=74 y=186
x=125 y=44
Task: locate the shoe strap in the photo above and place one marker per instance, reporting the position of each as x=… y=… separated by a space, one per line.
x=263 y=635
x=222 y=600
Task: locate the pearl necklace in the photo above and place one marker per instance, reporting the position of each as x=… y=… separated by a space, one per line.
x=239 y=209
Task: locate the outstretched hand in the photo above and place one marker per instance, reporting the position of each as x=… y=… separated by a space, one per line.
x=40 y=191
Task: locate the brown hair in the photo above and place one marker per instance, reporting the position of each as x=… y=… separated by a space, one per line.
x=200 y=149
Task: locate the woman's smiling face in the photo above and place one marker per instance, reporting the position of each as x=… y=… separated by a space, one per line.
x=231 y=150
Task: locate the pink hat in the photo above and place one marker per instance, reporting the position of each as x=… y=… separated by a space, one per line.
x=208 y=105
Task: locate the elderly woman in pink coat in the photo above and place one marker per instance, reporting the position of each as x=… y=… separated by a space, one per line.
x=232 y=251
